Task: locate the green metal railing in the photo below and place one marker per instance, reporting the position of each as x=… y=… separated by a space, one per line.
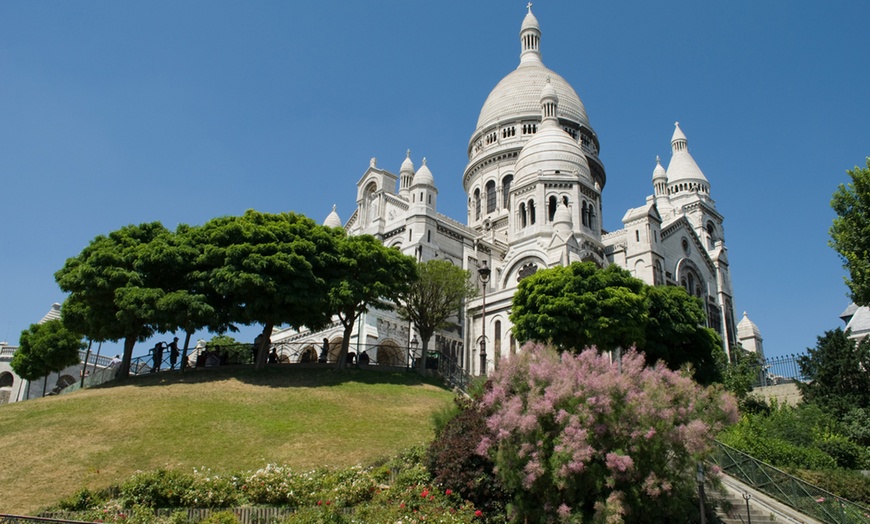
x=791 y=491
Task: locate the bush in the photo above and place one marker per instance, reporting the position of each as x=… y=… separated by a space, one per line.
x=455 y=465
x=156 y=489
x=582 y=437
x=83 y=499
x=851 y=485
x=846 y=453
x=221 y=517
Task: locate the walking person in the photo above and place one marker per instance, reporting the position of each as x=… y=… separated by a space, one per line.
x=173 y=353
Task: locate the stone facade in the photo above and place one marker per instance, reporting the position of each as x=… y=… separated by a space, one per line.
x=534 y=183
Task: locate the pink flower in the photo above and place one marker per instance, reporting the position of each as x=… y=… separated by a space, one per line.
x=478 y=513
x=425 y=493
x=448 y=492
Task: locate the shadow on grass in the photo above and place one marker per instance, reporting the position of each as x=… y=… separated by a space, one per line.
x=281 y=376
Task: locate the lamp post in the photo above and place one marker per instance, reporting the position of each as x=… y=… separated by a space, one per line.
x=413 y=348
x=483 y=274
x=700 y=477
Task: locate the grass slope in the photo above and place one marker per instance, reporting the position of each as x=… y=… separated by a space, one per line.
x=226 y=419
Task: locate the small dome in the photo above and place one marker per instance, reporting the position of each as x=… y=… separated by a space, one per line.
x=551 y=150
x=682 y=167
x=407 y=165
x=530 y=22
x=562 y=215
x=659 y=171
x=747 y=328
x=424 y=176
x=333 y=220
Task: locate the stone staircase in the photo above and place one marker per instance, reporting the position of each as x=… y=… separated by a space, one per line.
x=762 y=508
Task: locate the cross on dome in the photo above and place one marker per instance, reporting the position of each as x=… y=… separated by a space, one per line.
x=529 y=7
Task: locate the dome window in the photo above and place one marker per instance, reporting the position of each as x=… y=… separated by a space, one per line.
x=477 y=204
x=490 y=196
x=506 y=190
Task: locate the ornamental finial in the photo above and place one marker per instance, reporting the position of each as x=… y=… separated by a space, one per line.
x=529 y=7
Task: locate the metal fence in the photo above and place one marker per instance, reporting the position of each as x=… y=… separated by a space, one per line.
x=779 y=370
x=792 y=491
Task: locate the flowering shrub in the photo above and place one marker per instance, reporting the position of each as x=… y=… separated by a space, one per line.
x=579 y=436
x=160 y=488
x=455 y=465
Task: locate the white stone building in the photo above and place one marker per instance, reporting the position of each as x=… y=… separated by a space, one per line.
x=534 y=184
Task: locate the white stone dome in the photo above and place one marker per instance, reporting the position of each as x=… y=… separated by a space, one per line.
x=747 y=328
x=659 y=172
x=407 y=164
x=518 y=96
x=682 y=167
x=333 y=220
x=551 y=150
x=424 y=176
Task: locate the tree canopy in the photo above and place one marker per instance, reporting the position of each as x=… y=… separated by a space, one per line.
x=267 y=269
x=365 y=274
x=850 y=232
x=435 y=297
x=836 y=373
x=581 y=305
x=46 y=348
x=115 y=285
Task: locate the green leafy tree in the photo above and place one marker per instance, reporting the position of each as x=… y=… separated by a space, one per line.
x=186 y=304
x=46 y=348
x=744 y=370
x=114 y=287
x=435 y=297
x=235 y=351
x=676 y=334
x=836 y=373
x=850 y=233
x=580 y=305
x=365 y=274
x=267 y=269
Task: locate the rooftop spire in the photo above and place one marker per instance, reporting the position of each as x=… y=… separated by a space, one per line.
x=530 y=38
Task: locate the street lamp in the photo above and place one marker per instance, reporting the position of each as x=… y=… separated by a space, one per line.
x=413 y=346
x=701 y=477
x=483 y=274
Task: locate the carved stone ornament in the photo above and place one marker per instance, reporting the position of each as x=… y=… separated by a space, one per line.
x=527 y=271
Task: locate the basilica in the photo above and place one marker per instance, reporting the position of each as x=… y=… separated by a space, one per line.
x=534 y=184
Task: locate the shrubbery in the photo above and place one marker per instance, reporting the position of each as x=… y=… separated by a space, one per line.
x=400 y=489
x=584 y=437
x=456 y=465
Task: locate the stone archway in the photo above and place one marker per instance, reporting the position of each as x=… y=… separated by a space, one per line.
x=308 y=354
x=389 y=354
x=7 y=380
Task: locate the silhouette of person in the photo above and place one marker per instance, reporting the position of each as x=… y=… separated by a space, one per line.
x=157 y=353
x=173 y=353
x=273 y=356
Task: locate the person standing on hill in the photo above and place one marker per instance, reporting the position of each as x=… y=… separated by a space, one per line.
x=173 y=353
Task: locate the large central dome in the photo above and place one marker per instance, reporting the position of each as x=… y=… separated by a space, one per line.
x=518 y=96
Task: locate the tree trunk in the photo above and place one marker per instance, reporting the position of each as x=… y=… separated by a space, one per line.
x=184 y=351
x=345 y=343
x=421 y=362
x=127 y=359
x=265 y=342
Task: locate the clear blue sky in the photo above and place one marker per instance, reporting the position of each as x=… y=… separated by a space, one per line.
x=114 y=113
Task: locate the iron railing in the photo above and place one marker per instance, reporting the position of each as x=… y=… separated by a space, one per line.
x=791 y=491
x=779 y=370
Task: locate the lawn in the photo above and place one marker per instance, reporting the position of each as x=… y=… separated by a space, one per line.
x=227 y=419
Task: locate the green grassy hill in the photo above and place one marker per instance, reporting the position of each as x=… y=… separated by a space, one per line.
x=226 y=419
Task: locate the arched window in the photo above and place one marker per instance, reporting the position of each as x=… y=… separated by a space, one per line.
x=523 y=215
x=506 y=191
x=531 y=212
x=584 y=214
x=477 y=204
x=551 y=208
x=490 y=196
x=658 y=274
